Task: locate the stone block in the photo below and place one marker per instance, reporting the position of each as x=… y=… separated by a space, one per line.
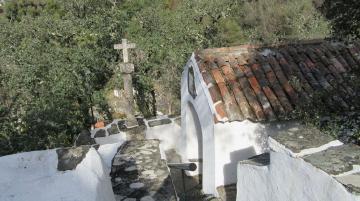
x=113 y=129
x=140 y=121
x=159 y=122
x=69 y=158
x=126 y=68
x=100 y=133
x=122 y=125
x=84 y=138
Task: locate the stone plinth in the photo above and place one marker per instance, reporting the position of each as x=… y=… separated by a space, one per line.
x=126 y=68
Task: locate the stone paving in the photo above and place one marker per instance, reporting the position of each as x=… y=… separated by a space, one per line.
x=139 y=174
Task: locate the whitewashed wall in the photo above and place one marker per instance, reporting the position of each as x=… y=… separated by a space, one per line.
x=288 y=178
x=168 y=134
x=34 y=176
x=234 y=142
x=187 y=147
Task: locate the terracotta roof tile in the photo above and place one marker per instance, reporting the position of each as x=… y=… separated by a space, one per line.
x=266 y=83
x=217 y=76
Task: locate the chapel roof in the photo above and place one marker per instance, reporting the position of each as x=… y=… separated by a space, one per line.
x=266 y=83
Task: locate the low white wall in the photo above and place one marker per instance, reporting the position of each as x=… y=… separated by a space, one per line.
x=168 y=134
x=33 y=176
x=234 y=142
x=288 y=178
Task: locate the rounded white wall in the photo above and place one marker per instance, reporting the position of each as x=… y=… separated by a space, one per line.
x=197 y=126
x=194 y=140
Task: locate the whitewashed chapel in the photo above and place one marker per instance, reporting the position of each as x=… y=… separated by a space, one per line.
x=235 y=104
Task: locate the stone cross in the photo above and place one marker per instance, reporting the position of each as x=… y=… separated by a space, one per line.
x=126 y=70
x=124 y=46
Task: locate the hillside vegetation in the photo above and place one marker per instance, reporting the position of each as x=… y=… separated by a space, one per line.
x=56 y=57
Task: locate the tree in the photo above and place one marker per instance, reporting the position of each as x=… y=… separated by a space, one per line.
x=51 y=64
x=273 y=21
x=344 y=16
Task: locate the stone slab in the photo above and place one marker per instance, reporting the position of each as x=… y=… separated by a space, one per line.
x=258 y=160
x=69 y=158
x=138 y=173
x=100 y=133
x=113 y=129
x=126 y=68
x=301 y=137
x=159 y=122
x=336 y=160
x=84 y=138
x=351 y=182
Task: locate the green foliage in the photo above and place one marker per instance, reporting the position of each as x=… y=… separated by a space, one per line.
x=273 y=21
x=344 y=16
x=167 y=33
x=57 y=56
x=52 y=65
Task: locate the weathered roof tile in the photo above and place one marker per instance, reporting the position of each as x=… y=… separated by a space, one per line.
x=256 y=83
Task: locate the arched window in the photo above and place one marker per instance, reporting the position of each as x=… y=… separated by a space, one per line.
x=191 y=82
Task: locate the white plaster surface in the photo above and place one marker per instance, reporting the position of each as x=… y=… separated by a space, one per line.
x=168 y=134
x=288 y=178
x=204 y=111
x=107 y=153
x=234 y=142
x=33 y=176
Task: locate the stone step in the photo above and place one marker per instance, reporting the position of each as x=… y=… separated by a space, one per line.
x=139 y=174
x=228 y=192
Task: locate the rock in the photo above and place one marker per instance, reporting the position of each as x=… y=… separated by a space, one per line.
x=122 y=125
x=147 y=198
x=69 y=158
x=129 y=199
x=159 y=122
x=140 y=121
x=131 y=168
x=100 y=133
x=84 y=138
x=137 y=185
x=113 y=129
